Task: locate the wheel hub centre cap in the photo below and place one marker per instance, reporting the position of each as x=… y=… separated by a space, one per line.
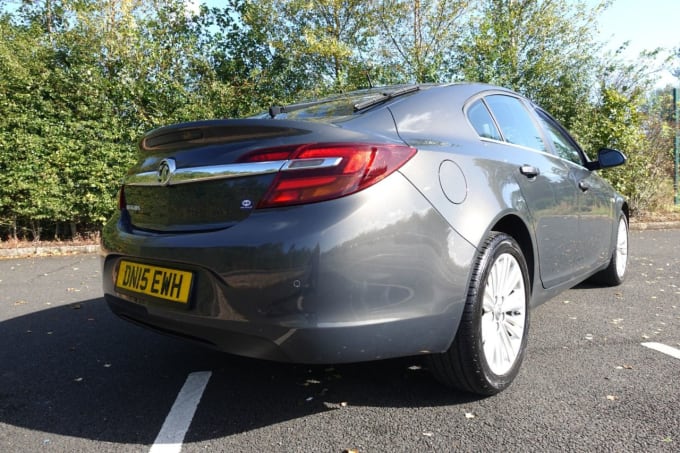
x=498 y=310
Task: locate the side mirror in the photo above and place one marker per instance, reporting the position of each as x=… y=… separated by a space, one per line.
x=607 y=158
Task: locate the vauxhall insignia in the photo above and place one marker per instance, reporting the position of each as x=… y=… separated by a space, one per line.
x=165 y=171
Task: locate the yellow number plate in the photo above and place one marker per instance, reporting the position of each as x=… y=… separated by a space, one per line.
x=169 y=284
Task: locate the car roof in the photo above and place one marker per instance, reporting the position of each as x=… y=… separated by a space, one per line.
x=342 y=106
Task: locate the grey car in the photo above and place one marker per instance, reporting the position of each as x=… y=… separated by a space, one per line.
x=409 y=220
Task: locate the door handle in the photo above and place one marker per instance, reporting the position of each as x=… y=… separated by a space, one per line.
x=529 y=171
x=583 y=185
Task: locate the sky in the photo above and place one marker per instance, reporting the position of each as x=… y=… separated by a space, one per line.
x=646 y=24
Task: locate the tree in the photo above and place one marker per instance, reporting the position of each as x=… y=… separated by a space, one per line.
x=420 y=38
x=25 y=192
x=542 y=48
x=335 y=34
x=622 y=116
x=247 y=68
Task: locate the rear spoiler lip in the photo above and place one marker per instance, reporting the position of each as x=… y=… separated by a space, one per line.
x=205 y=133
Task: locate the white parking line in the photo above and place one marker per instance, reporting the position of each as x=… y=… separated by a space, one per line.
x=176 y=424
x=663 y=348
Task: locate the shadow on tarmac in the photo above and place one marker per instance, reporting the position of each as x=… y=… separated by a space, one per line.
x=77 y=370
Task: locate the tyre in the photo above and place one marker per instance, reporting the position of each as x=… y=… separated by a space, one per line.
x=489 y=346
x=615 y=273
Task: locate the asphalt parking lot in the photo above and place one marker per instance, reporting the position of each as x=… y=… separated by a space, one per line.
x=600 y=375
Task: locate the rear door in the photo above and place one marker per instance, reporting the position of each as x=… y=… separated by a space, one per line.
x=548 y=187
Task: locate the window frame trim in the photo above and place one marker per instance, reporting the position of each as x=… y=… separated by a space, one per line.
x=549 y=118
x=528 y=106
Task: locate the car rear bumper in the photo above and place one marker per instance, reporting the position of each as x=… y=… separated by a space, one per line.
x=349 y=280
x=314 y=345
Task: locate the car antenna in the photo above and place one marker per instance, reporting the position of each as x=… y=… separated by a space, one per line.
x=368 y=77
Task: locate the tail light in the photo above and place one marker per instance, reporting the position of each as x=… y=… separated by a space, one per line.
x=322 y=172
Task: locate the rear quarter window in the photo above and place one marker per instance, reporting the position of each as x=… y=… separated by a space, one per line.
x=482 y=122
x=516 y=124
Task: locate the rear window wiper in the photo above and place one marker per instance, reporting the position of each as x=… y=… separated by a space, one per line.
x=385 y=97
x=377 y=99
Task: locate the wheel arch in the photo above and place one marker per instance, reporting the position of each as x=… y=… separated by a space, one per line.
x=514 y=226
x=626 y=210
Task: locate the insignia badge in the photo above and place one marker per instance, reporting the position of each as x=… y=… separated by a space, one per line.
x=166 y=170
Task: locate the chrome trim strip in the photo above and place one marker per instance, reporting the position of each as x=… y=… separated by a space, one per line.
x=197 y=174
x=306 y=164
x=212 y=172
